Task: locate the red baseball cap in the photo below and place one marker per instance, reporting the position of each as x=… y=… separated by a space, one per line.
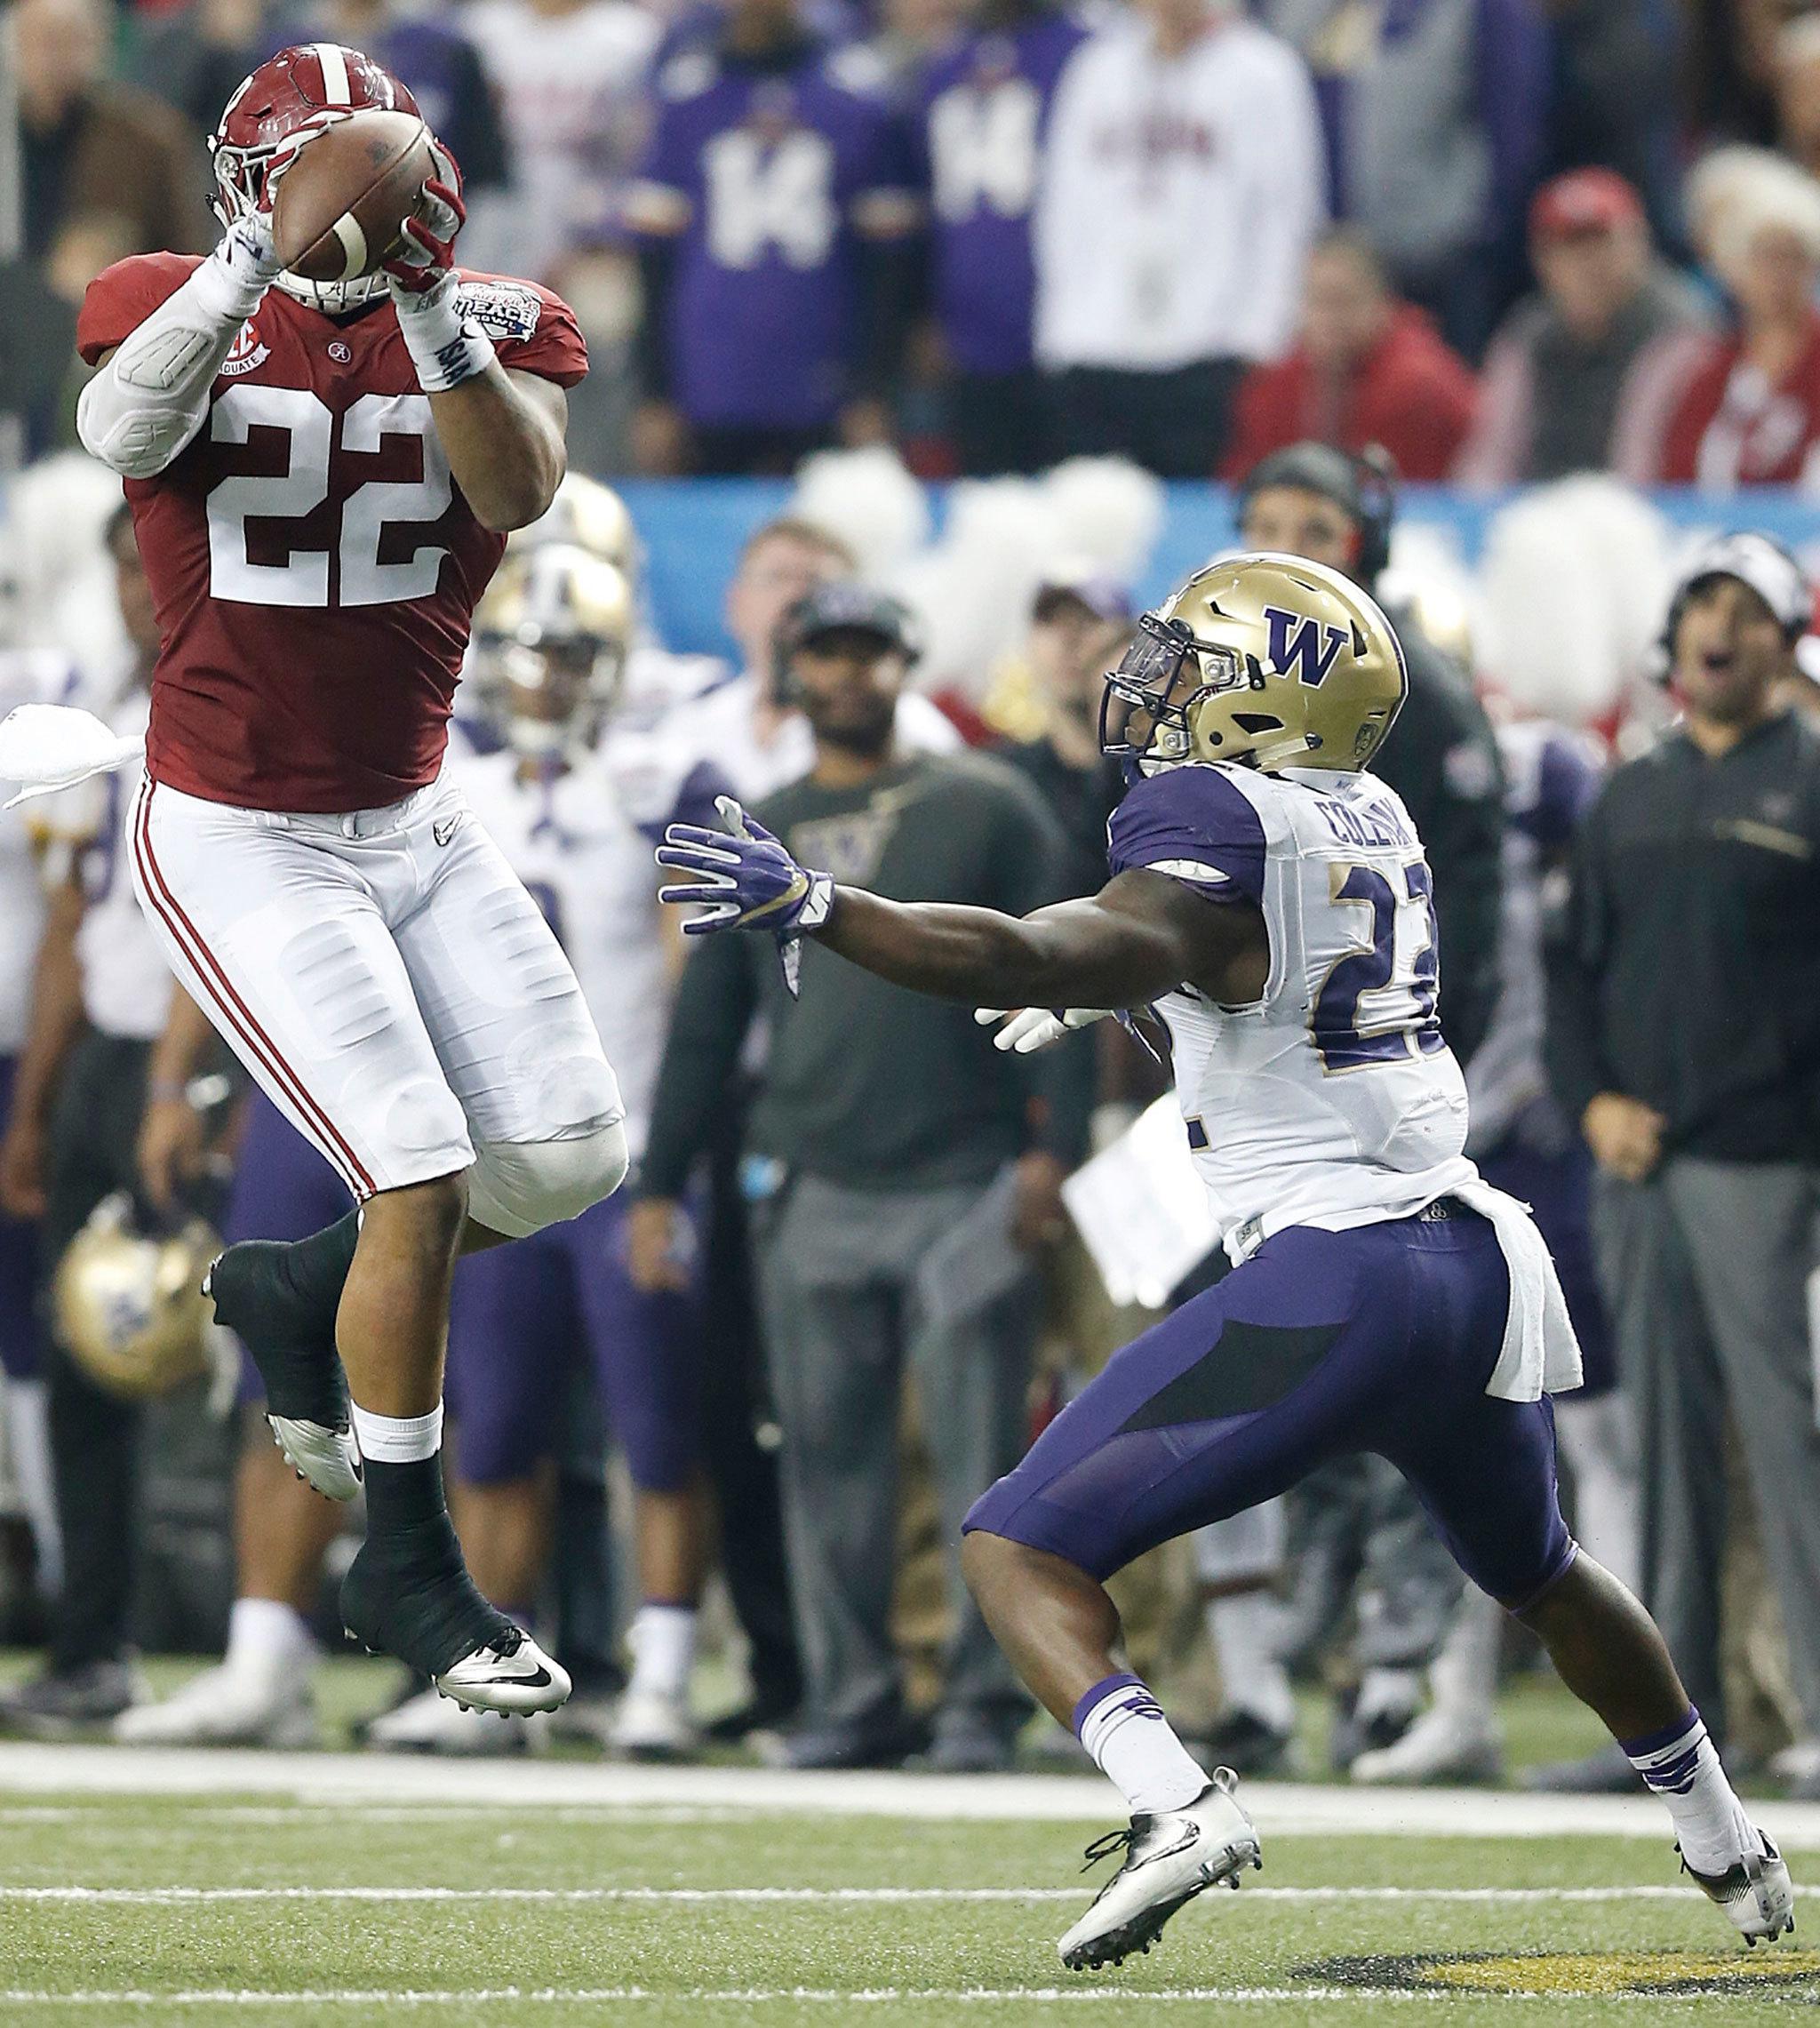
x=1583 y=201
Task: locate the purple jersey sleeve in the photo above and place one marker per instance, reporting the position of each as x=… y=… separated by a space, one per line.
x=694 y=804
x=1196 y=825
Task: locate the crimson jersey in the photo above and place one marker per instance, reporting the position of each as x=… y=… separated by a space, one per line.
x=313 y=565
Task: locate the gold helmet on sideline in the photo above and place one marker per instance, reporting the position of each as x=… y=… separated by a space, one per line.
x=551 y=638
x=586 y=514
x=1264 y=659
x=129 y=1307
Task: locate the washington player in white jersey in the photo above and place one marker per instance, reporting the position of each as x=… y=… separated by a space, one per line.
x=1270 y=899
x=575 y=798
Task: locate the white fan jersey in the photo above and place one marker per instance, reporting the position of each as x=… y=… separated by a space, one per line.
x=28 y=675
x=582 y=841
x=1333 y=1100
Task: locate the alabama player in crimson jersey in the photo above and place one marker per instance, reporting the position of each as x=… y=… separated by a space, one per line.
x=321 y=478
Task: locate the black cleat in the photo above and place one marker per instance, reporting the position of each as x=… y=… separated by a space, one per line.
x=412 y=1598
x=291 y=1335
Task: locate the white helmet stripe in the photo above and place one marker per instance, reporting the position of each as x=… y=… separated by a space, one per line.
x=333 y=59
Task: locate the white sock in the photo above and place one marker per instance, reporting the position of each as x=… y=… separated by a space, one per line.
x=1465 y=1675
x=1680 y=1765
x=28 y=1438
x=662 y=1641
x=397 y=1440
x=1244 y=1629
x=267 y=1633
x=1135 y=1746
x=1382 y=1691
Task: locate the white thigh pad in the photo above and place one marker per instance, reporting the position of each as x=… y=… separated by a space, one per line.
x=518 y=1187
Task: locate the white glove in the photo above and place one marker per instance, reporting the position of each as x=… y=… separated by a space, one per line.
x=53 y=746
x=231 y=282
x=1027 y=1029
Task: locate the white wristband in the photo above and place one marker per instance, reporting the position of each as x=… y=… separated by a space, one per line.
x=445 y=347
x=231 y=283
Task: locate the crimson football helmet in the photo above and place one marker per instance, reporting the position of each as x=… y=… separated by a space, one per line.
x=286 y=92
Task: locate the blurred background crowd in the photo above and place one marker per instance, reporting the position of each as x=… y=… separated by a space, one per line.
x=999 y=233
x=717 y=1435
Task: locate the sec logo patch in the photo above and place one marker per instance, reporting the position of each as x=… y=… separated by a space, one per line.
x=247 y=351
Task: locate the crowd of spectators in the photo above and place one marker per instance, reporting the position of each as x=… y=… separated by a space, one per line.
x=1504 y=238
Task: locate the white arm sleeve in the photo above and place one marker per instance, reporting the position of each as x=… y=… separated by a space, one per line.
x=142 y=408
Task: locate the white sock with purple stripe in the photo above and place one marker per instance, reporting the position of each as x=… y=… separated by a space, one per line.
x=1680 y=1764
x=1135 y=1746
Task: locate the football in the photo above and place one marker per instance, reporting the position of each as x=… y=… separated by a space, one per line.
x=340 y=208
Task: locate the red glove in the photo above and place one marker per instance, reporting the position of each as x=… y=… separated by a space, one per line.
x=430 y=253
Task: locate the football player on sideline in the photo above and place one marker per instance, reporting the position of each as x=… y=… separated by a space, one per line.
x=1271 y=898
x=322 y=476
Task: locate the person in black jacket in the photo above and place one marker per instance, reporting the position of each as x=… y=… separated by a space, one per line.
x=1354 y=1524
x=1684 y=1036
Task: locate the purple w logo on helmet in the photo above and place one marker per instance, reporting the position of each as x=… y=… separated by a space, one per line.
x=1310 y=647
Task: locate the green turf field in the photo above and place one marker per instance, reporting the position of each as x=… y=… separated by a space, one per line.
x=457 y=1914
x=218 y=1908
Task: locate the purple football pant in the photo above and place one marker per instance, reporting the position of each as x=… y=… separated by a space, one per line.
x=1377 y=1339
x=283 y=1190
x=522 y=1312
x=19 y=1271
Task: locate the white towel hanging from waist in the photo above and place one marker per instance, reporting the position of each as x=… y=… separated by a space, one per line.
x=1541 y=1354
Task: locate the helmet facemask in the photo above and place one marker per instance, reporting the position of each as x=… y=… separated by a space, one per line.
x=1152 y=699
x=549 y=696
x=240 y=181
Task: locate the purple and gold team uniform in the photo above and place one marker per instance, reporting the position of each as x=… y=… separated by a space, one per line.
x=581 y=842
x=1370 y=1305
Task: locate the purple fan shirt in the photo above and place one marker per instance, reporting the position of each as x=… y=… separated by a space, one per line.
x=982 y=110
x=772 y=170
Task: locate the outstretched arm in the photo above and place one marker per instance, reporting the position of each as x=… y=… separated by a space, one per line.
x=1142 y=935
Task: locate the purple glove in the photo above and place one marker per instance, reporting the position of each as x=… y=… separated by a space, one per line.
x=744 y=878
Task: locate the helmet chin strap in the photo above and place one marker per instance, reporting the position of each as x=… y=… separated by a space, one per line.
x=333 y=298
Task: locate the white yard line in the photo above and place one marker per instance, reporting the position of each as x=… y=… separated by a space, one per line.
x=167 y=1895
x=344 y=1780
x=609 y=1996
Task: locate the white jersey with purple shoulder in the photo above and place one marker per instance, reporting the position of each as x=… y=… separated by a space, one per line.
x=581 y=842
x=1333 y=1100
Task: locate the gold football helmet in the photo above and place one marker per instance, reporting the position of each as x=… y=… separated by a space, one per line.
x=1264 y=659
x=551 y=637
x=129 y=1305
x=586 y=514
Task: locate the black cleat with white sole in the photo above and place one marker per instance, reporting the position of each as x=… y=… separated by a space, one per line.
x=1756 y=1895
x=290 y=1334
x=412 y=1598
x=1170 y=1857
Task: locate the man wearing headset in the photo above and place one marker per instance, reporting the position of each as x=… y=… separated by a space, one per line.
x=1684 y=1035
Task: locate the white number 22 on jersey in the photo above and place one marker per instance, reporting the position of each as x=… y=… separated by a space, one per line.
x=303 y=578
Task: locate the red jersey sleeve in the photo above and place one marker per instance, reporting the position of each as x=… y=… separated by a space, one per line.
x=121 y=298
x=533 y=329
